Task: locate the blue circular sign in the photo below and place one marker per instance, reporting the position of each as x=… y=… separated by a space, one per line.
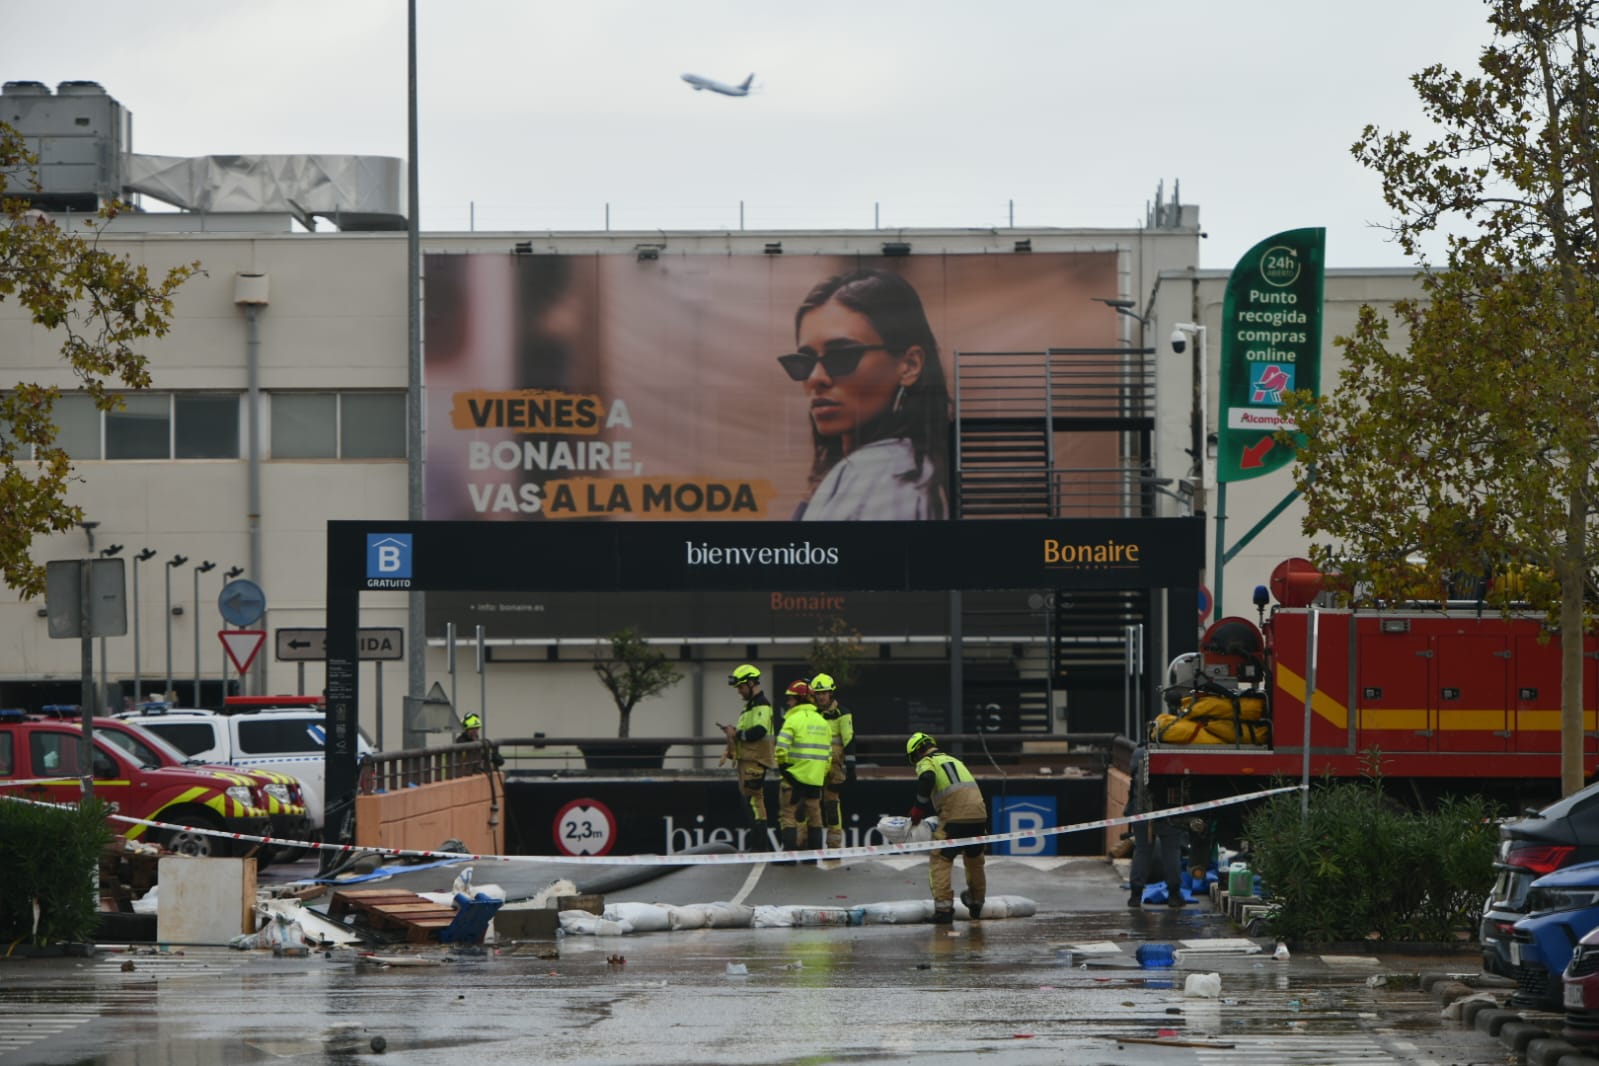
x=242 y=602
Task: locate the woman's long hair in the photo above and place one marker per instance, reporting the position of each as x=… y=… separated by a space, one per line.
x=892 y=306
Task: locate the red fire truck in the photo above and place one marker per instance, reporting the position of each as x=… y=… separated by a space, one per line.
x=1446 y=698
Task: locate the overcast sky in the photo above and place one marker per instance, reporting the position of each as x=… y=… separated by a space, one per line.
x=535 y=115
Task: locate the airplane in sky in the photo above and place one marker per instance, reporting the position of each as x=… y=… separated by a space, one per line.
x=719 y=87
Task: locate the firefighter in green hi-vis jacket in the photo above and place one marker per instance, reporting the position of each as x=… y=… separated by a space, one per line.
x=750 y=747
x=944 y=786
x=804 y=745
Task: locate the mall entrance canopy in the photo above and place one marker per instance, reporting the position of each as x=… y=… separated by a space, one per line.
x=1047 y=554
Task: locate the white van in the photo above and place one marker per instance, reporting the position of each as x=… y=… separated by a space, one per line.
x=284 y=733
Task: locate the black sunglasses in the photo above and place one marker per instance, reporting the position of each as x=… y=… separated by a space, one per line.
x=838 y=362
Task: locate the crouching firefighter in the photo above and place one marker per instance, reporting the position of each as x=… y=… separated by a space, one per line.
x=944 y=786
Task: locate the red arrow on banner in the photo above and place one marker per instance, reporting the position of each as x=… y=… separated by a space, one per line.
x=1255 y=454
x=242 y=645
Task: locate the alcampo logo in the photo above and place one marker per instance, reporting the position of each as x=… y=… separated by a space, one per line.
x=1268 y=382
x=1107 y=554
x=388 y=560
x=791 y=554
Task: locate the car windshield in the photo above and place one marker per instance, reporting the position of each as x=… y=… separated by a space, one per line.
x=149 y=750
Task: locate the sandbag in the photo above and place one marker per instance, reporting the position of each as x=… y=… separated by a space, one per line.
x=770 y=917
x=586 y=923
x=725 y=915
x=691 y=916
x=643 y=917
x=897 y=912
x=808 y=916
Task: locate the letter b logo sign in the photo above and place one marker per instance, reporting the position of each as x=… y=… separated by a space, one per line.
x=388 y=555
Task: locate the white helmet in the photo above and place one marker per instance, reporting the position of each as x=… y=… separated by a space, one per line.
x=1183 y=671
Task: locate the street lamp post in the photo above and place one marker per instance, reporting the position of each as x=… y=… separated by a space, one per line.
x=227 y=575
x=138 y=678
x=172 y=564
x=105 y=553
x=199 y=568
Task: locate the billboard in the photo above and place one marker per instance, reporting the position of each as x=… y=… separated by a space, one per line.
x=736 y=387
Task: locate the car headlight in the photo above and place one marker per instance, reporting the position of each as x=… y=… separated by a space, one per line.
x=240 y=794
x=278 y=792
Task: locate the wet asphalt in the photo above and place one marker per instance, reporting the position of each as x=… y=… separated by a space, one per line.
x=1064 y=985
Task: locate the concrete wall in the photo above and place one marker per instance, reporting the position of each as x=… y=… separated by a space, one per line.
x=470 y=809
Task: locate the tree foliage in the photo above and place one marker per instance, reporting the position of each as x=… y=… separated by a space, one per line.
x=100 y=305
x=1459 y=451
x=836 y=649
x=634 y=672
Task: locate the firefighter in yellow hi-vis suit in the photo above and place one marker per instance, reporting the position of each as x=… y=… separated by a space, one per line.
x=841 y=769
x=749 y=745
x=804 y=744
x=945 y=786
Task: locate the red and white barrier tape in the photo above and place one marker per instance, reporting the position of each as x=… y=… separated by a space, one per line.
x=733 y=859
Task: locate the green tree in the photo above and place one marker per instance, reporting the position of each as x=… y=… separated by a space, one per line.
x=634 y=672
x=100 y=304
x=1472 y=446
x=837 y=650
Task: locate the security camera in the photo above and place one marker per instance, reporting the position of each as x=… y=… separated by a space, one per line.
x=1179 y=341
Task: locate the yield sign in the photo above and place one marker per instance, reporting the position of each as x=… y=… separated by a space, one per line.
x=242 y=645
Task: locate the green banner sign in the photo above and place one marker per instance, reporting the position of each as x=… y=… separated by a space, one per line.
x=1270 y=346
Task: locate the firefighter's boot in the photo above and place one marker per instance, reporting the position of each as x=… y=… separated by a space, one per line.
x=786 y=842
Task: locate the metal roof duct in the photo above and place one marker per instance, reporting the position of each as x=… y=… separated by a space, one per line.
x=354 y=192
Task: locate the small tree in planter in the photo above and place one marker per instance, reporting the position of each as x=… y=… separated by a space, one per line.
x=837 y=650
x=633 y=672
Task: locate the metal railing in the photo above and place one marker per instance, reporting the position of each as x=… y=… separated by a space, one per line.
x=882 y=755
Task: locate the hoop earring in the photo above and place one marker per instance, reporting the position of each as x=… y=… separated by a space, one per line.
x=899 y=399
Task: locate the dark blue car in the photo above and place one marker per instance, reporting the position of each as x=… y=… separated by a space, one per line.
x=1562 y=908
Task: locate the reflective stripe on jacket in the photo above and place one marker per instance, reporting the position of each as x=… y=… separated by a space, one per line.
x=805 y=744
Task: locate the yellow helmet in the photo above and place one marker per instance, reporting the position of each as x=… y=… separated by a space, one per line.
x=742 y=674
x=916 y=743
x=823 y=683
x=472 y=721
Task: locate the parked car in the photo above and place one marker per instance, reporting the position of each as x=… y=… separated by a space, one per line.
x=1581 y=985
x=42 y=758
x=1562 y=834
x=1562 y=908
x=284 y=798
x=281 y=733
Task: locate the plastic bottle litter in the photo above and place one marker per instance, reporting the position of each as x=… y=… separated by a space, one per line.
x=1281 y=954
x=1202 y=985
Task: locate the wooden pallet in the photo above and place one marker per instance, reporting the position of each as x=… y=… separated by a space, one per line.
x=391 y=911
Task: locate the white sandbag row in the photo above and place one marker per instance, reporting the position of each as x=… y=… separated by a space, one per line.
x=620 y=919
x=904 y=911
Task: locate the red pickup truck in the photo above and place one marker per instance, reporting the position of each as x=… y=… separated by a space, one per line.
x=39 y=760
